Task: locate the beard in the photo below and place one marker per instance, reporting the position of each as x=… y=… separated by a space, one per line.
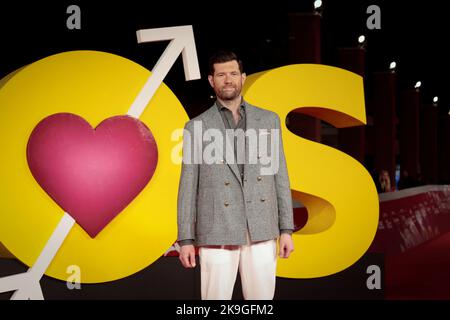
x=225 y=95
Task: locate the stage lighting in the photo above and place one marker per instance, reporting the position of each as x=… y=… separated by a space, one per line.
x=362 y=42
x=318 y=7
x=435 y=100
x=418 y=84
x=392 y=66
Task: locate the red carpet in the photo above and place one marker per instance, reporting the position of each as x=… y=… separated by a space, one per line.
x=420 y=273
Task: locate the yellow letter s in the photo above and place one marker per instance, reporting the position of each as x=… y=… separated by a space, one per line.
x=338 y=192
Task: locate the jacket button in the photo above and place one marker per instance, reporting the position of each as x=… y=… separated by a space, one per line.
x=226 y=204
x=227 y=183
x=263 y=199
x=222 y=161
x=259 y=178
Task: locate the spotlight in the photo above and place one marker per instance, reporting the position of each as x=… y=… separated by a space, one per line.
x=392 y=66
x=362 y=42
x=435 y=100
x=418 y=84
x=318 y=7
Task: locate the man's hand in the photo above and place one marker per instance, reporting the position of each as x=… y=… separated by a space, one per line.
x=286 y=245
x=187 y=256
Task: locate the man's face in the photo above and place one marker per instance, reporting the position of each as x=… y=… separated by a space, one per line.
x=227 y=80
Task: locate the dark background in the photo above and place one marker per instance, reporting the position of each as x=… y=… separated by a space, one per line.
x=412 y=33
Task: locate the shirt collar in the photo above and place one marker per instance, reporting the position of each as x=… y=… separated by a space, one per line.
x=222 y=107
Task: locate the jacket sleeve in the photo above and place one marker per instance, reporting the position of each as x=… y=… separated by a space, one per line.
x=282 y=185
x=188 y=186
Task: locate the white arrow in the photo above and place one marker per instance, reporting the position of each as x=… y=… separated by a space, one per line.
x=27 y=284
x=182 y=41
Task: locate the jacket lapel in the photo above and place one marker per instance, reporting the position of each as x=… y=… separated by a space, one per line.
x=217 y=123
x=252 y=123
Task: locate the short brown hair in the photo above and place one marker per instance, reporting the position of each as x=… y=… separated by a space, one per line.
x=222 y=57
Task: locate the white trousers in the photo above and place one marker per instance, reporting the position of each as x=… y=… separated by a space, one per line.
x=257 y=267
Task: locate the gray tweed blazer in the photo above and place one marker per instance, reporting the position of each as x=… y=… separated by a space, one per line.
x=216 y=206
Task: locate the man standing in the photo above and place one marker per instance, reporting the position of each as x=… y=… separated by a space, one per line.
x=231 y=208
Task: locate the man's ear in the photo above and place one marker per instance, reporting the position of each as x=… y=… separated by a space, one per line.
x=244 y=76
x=211 y=82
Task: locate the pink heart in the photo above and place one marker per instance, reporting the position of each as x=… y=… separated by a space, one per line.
x=93 y=174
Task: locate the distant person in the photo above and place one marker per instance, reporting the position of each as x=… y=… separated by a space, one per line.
x=385 y=182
